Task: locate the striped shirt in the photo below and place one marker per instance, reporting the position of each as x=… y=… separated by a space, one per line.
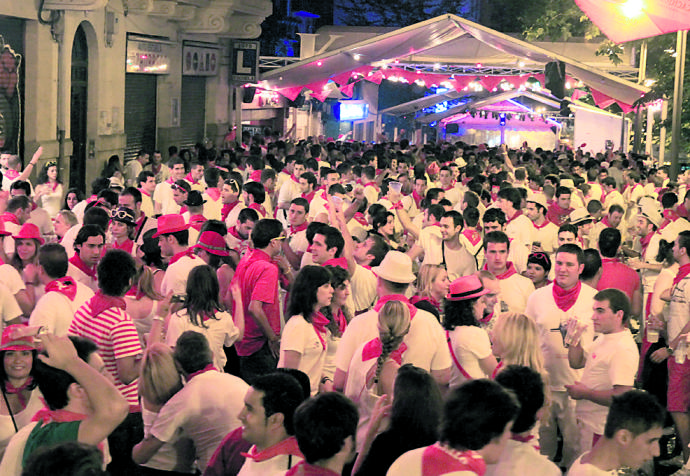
x=116 y=337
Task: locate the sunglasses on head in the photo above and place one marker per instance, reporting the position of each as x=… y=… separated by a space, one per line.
x=121 y=215
x=179 y=188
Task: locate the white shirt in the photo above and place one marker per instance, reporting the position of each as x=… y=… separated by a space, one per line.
x=300 y=336
x=579 y=468
x=81 y=277
x=363 y=286
x=521 y=459
x=470 y=345
x=515 y=290
x=520 y=230
x=55 y=311
x=163 y=194
x=175 y=278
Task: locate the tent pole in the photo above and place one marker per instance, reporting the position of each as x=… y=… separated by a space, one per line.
x=662 y=132
x=677 y=101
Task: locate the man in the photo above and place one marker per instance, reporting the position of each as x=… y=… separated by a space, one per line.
x=519 y=228
x=634 y=425
x=163 y=194
x=238 y=236
x=457 y=260
x=194 y=215
x=264 y=444
x=63 y=295
x=446 y=183
x=648 y=221
x=173 y=239
x=615 y=274
x=308 y=186
x=290 y=189
x=613 y=219
x=212 y=194
x=296 y=243
x=552 y=307
x=254 y=197
x=104 y=320
x=18 y=212
x=135 y=167
x=367 y=254
x=426 y=342
x=14 y=164
x=613 y=196
x=205 y=410
x=326 y=429
x=160 y=170
x=195 y=177
x=371 y=188
x=609 y=365
x=232 y=205
x=429 y=236
x=544 y=232
x=327 y=248
x=477 y=418
x=38 y=216
x=257 y=276
x=560 y=208
x=495 y=220
x=567 y=233
x=146 y=183
x=83 y=404
x=88 y=247
x=133 y=199
x=515 y=288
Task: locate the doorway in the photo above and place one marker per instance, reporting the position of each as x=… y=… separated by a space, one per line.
x=78 y=110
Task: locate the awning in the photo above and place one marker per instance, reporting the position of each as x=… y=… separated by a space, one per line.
x=447 y=30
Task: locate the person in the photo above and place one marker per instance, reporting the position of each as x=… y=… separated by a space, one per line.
x=65 y=459
x=122 y=227
x=64 y=221
x=304 y=341
x=164 y=203
x=201 y=312
x=552 y=307
x=538 y=269
x=82 y=404
x=63 y=294
x=432 y=287
x=134 y=199
x=544 y=232
x=515 y=288
x=27 y=241
x=609 y=365
x=257 y=276
x=469 y=344
x=206 y=408
x=232 y=205
x=238 y=234
x=49 y=189
x=146 y=185
x=21 y=399
x=372 y=371
x=88 y=247
x=614 y=273
x=413 y=424
x=265 y=443
x=515 y=341
x=475 y=428
x=213 y=250
x=145 y=305
x=173 y=238
x=338 y=314
x=325 y=428
x=519 y=228
x=159 y=381
x=135 y=166
x=560 y=209
x=633 y=428
x=520 y=456
x=72 y=197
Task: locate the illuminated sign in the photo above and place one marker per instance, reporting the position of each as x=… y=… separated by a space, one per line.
x=152 y=57
x=200 y=60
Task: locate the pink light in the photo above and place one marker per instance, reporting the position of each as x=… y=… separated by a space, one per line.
x=479 y=65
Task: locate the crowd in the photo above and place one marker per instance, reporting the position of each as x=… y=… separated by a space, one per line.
x=338 y=308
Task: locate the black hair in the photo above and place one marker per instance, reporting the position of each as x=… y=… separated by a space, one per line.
x=459 y=313
x=86 y=232
x=528 y=387
x=133 y=192
x=69 y=458
x=264 y=231
x=282 y=393
x=636 y=411
x=77 y=192
x=52 y=257
x=115 y=272
x=495 y=215
x=573 y=249
x=618 y=301
x=247 y=214
x=192 y=352
x=512 y=195
x=496 y=237
x=609 y=241
x=256 y=190
x=202 y=295
x=304 y=290
x=334 y=239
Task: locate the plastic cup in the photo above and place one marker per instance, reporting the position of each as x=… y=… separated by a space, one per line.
x=395 y=186
x=652 y=335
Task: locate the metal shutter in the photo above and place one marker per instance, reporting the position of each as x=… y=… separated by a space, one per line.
x=140 y=113
x=192 y=111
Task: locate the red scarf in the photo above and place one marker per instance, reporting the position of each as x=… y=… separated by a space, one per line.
x=144 y=192
x=644 y=243
x=510 y=270
x=102 y=302
x=438 y=460
x=565 y=299
x=683 y=271
x=213 y=193
x=255 y=176
x=309 y=196
x=188 y=252
x=372 y=184
x=605 y=222
x=10 y=217
x=80 y=265
x=305 y=469
x=233 y=231
x=432 y=301
x=539 y=227
x=298 y=228
x=208 y=368
x=517 y=214
x=319 y=322
x=66 y=286
x=197 y=221
x=417 y=198
x=472 y=235
x=227 y=208
x=294 y=179
x=396 y=297
x=339 y=319
x=557 y=215
x=373 y=349
x=127 y=245
x=340 y=262
x=11 y=174
x=361 y=219
x=9 y=388
x=45 y=415
x=286 y=447
x=190 y=179
x=260 y=209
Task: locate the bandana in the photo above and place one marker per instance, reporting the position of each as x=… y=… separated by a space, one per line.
x=80 y=265
x=213 y=193
x=473 y=236
x=558 y=215
x=11 y=174
x=227 y=208
x=565 y=299
x=255 y=176
x=361 y=219
x=432 y=301
x=510 y=270
x=319 y=322
x=683 y=271
x=260 y=209
x=396 y=297
x=517 y=214
x=66 y=286
x=340 y=262
x=101 y=302
x=127 y=245
x=644 y=243
x=208 y=368
x=298 y=228
x=539 y=227
x=305 y=469
x=339 y=318
x=143 y=192
x=197 y=221
x=294 y=179
x=188 y=252
x=309 y=196
x=417 y=198
x=373 y=349
x=190 y=179
x=286 y=447
x=437 y=460
x=372 y=184
x=9 y=388
x=45 y=415
x=233 y=231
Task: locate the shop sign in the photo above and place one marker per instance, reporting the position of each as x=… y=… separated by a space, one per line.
x=244 y=62
x=200 y=60
x=145 y=56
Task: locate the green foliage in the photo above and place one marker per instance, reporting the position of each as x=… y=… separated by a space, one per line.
x=612 y=50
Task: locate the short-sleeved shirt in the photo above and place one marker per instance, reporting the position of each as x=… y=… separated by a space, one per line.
x=300 y=336
x=50 y=434
x=258 y=280
x=470 y=345
x=55 y=311
x=176 y=275
x=615 y=274
x=9 y=309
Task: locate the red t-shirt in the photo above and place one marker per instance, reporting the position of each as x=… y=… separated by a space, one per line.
x=615 y=274
x=258 y=279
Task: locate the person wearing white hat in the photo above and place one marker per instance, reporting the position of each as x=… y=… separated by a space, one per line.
x=426 y=344
x=544 y=233
x=648 y=221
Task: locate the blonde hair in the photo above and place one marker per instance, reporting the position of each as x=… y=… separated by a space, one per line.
x=145 y=282
x=394 y=324
x=426 y=277
x=159 y=379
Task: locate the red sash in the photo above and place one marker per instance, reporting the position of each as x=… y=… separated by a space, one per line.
x=66 y=286
x=455 y=359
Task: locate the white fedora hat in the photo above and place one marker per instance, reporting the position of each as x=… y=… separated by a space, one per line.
x=395 y=267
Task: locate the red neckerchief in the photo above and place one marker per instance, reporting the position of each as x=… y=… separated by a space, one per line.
x=9 y=388
x=373 y=349
x=135 y=292
x=208 y=368
x=66 y=286
x=565 y=298
x=683 y=271
x=156 y=168
x=227 y=208
x=127 y=245
x=605 y=222
x=510 y=270
x=521 y=438
x=556 y=214
x=183 y=209
x=644 y=243
x=472 y=235
x=341 y=262
x=294 y=179
x=255 y=176
x=417 y=198
x=188 y=252
x=143 y=192
x=396 y=297
x=197 y=221
x=45 y=415
x=11 y=174
x=80 y=265
x=259 y=208
x=681 y=211
x=101 y=302
x=669 y=217
x=190 y=179
x=432 y=301
x=539 y=227
x=286 y=447
x=339 y=318
x=298 y=228
x=319 y=323
x=213 y=193
x=437 y=460
x=609 y=260
x=233 y=231
x=450 y=187
x=10 y=217
x=54 y=186
x=309 y=196
x=361 y=219
x=372 y=184
x=517 y=214
x=170 y=181
x=305 y=469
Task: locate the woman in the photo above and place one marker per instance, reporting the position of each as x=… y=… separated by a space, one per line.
x=432 y=286
x=384 y=225
x=48 y=193
x=304 y=340
x=143 y=301
x=375 y=364
x=515 y=341
x=72 y=197
x=20 y=397
x=25 y=259
x=538 y=268
x=469 y=344
x=113 y=171
x=211 y=248
x=339 y=316
x=122 y=225
x=414 y=420
x=203 y=313
x=159 y=380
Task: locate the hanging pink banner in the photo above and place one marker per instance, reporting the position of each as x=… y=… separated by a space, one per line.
x=491 y=82
x=348 y=89
x=601 y=99
x=290 y=93
x=376 y=77
x=461 y=82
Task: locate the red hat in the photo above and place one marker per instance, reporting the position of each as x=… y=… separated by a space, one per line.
x=466 y=287
x=213 y=243
x=170 y=224
x=4 y=232
x=29 y=231
x=12 y=342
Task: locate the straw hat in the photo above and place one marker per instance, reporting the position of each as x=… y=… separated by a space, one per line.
x=395 y=267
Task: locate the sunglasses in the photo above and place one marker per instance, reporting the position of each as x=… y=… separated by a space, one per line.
x=280 y=238
x=179 y=188
x=539 y=255
x=121 y=215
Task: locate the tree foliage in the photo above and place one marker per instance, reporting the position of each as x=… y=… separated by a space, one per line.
x=400 y=13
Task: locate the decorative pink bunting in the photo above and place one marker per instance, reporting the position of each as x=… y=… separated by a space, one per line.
x=290 y=93
x=491 y=82
x=601 y=99
x=376 y=77
x=348 y=89
x=461 y=82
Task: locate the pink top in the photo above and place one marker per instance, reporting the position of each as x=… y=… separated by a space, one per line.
x=615 y=274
